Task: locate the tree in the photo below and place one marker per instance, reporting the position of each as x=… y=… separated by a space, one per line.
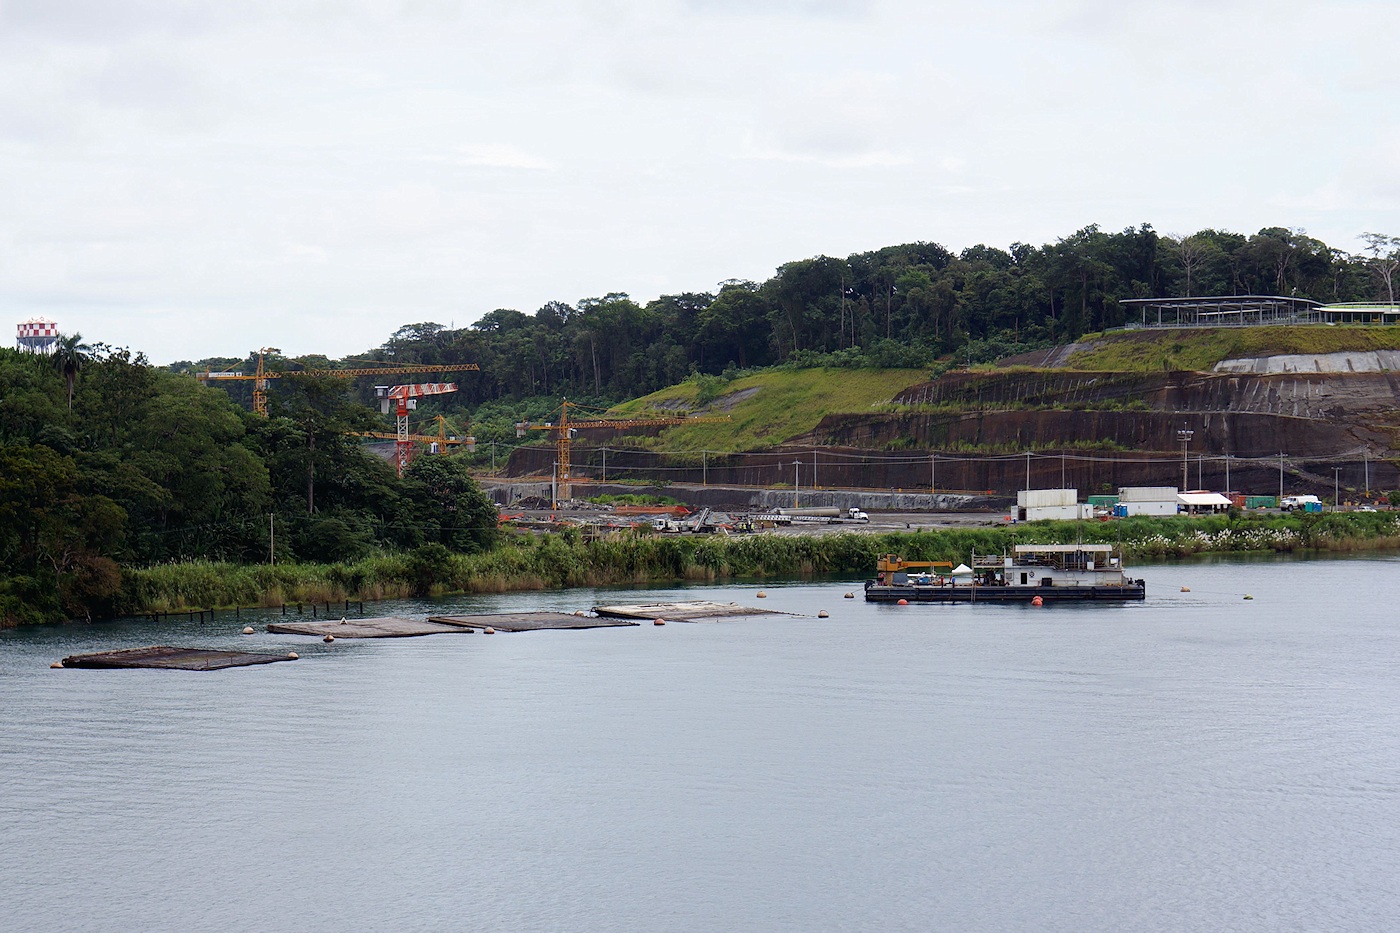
x=69 y=355
x=1385 y=259
x=447 y=506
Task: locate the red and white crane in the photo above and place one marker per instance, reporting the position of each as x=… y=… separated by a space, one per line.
x=405 y=399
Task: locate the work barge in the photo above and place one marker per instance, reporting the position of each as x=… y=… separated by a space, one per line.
x=1032 y=573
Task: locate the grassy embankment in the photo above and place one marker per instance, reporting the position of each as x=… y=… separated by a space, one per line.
x=565 y=560
x=765 y=408
x=1200 y=349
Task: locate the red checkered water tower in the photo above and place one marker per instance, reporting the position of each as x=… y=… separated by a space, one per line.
x=36 y=335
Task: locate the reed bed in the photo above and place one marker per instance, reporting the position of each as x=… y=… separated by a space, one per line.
x=564 y=560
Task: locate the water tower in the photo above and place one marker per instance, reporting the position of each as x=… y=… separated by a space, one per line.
x=36 y=335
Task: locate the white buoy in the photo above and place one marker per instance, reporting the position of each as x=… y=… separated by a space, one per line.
x=1186 y=589
x=762 y=595
x=342 y=621
x=850 y=596
x=580 y=613
x=329 y=638
x=292 y=656
x=247 y=630
x=823 y=614
x=56 y=665
x=489 y=630
x=1247 y=596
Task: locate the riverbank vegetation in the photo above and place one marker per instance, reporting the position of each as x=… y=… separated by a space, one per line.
x=560 y=560
x=148 y=468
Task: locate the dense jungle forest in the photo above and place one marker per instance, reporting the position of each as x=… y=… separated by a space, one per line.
x=898 y=306
x=107 y=462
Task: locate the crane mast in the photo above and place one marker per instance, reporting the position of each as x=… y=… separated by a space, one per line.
x=566 y=429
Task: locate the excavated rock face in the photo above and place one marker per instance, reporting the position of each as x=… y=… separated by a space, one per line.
x=1091 y=430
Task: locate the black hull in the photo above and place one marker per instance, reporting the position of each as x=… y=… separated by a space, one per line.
x=882 y=593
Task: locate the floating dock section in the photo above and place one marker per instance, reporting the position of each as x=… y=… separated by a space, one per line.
x=175 y=659
x=682 y=612
x=382 y=627
x=529 y=621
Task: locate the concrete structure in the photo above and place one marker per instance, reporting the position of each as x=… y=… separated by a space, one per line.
x=1033 y=505
x=1148 y=500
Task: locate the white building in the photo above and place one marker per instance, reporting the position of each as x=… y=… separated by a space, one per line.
x=1148 y=500
x=1033 y=505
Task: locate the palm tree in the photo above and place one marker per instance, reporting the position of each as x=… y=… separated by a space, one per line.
x=69 y=355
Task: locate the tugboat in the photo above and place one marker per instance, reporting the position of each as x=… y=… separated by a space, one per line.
x=1036 y=573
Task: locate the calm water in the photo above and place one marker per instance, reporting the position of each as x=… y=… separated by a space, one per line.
x=1199 y=762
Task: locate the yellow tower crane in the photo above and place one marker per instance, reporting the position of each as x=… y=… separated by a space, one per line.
x=262 y=375
x=564 y=432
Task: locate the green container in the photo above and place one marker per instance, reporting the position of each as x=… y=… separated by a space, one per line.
x=1103 y=502
x=1260 y=502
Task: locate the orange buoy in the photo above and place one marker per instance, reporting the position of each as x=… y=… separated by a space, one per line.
x=902 y=602
x=1037 y=601
x=658 y=621
x=329 y=638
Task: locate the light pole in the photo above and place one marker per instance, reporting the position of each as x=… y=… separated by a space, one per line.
x=1336 y=488
x=796 y=480
x=1280 y=478
x=1028 y=469
x=1184 y=436
x=933 y=474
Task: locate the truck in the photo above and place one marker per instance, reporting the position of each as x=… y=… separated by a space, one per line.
x=1303 y=503
x=856 y=515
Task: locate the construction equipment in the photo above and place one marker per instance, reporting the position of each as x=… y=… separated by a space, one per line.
x=566 y=429
x=263 y=374
x=889 y=563
x=439 y=443
x=404 y=399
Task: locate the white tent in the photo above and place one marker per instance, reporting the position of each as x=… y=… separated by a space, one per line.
x=961 y=569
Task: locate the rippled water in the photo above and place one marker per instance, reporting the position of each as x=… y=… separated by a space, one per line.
x=1197 y=762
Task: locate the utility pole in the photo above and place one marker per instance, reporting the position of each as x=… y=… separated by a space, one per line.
x=1227 y=474
x=933 y=474
x=1336 y=488
x=1028 y=469
x=796 y=480
x=704 y=468
x=493 y=456
x=554 y=486
x=605 y=464
x=1184 y=436
x=1280 y=478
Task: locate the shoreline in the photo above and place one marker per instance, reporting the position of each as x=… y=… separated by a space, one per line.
x=558 y=560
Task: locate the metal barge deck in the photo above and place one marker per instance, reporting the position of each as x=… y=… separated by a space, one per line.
x=967 y=593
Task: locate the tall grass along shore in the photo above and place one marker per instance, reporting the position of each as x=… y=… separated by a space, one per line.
x=564 y=559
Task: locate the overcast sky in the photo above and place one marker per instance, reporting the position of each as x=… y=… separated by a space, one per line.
x=193 y=178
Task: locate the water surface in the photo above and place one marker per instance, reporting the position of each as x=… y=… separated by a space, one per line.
x=1196 y=762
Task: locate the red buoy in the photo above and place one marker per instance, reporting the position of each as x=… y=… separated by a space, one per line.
x=903 y=602
x=1037 y=601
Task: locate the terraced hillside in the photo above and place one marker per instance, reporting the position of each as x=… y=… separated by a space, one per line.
x=1101 y=413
